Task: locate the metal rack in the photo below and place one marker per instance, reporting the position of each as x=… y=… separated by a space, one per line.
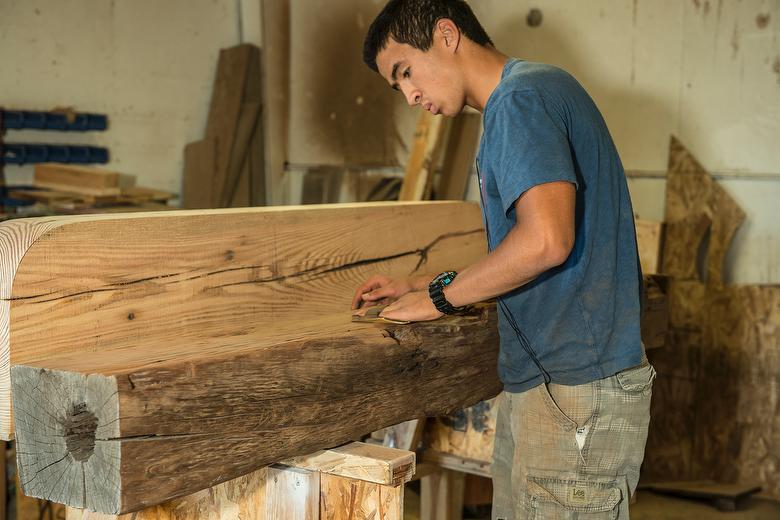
x=30 y=153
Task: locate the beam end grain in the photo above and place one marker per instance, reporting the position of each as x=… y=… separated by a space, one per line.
x=66 y=433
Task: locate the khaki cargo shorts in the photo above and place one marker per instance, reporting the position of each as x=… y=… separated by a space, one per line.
x=571 y=452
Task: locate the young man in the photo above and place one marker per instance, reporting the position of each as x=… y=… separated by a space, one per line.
x=573 y=417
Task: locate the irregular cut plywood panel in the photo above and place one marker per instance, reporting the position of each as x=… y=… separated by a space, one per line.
x=346 y=499
x=690 y=190
x=681 y=247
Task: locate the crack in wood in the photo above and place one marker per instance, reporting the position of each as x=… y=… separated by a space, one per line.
x=314 y=271
x=320 y=271
x=28 y=482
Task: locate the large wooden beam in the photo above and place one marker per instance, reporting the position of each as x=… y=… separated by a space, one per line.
x=182 y=279
x=209 y=343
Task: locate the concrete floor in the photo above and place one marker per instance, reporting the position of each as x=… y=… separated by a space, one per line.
x=651 y=506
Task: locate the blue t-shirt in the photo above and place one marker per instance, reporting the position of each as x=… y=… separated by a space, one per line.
x=580 y=321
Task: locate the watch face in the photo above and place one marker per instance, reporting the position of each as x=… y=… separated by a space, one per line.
x=445 y=277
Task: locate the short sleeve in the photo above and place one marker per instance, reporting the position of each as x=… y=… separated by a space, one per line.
x=527 y=146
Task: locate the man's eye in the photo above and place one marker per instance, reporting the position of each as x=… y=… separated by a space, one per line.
x=407 y=73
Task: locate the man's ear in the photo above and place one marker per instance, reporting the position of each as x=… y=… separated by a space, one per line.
x=449 y=33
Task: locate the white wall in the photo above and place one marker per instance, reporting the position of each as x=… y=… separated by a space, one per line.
x=705 y=70
x=148 y=64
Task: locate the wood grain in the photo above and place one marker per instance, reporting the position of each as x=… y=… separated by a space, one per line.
x=178 y=280
x=347 y=499
x=467 y=434
x=214 y=418
x=170 y=301
x=441 y=495
x=356 y=460
x=715 y=407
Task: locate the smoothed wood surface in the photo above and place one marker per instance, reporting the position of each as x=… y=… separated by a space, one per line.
x=200 y=281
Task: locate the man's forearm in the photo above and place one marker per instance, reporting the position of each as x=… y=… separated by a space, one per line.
x=519 y=259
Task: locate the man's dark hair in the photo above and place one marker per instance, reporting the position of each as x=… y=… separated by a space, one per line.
x=413 y=21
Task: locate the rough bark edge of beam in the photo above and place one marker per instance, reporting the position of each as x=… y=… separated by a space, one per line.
x=67 y=450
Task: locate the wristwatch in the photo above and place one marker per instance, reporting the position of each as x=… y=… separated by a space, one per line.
x=436 y=292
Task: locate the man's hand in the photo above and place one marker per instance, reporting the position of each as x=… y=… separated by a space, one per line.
x=414 y=306
x=380 y=290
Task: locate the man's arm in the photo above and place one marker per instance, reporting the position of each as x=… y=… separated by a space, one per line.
x=541 y=239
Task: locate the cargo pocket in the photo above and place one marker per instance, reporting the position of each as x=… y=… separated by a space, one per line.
x=638 y=379
x=594 y=498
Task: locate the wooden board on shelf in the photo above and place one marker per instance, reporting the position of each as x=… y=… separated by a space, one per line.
x=80 y=179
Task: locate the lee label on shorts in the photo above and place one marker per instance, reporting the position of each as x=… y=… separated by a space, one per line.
x=578 y=495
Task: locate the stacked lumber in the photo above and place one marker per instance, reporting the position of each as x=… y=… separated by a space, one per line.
x=69 y=187
x=225 y=168
x=159 y=354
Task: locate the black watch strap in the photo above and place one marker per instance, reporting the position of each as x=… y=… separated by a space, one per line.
x=436 y=292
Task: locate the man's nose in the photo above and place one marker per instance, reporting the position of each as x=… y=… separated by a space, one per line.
x=413 y=97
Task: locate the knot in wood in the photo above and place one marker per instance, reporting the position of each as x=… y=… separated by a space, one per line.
x=80 y=426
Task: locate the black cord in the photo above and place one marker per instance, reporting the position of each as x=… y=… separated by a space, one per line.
x=508 y=316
